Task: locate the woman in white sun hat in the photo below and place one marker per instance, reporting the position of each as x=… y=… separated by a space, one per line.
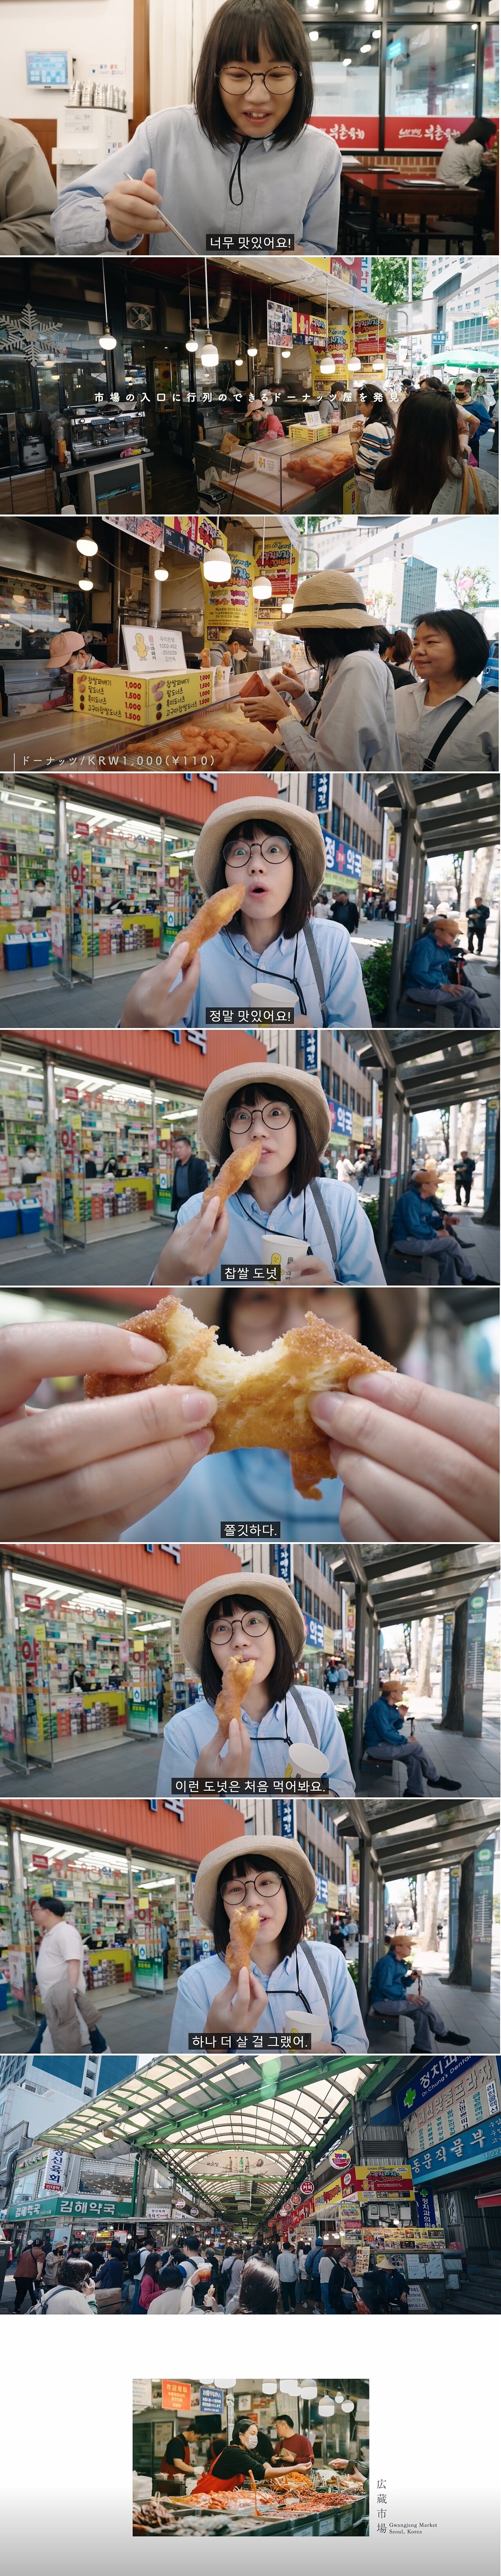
x=287 y=1193
x=278 y=853
x=290 y=1983
x=254 y=1617
x=350 y=724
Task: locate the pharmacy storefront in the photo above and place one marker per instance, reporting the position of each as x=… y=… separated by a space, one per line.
x=132 y=1901
x=86 y=887
x=82 y=1660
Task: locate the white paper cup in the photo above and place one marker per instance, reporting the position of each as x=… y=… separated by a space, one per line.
x=308 y=1759
x=297 y=2021
x=284 y=1248
x=272 y=994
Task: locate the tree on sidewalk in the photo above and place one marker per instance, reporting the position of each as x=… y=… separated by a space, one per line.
x=460 y=1973
x=454 y=1714
x=426 y=1636
x=431 y=1905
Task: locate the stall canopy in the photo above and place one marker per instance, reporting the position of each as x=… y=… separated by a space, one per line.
x=424 y=1837
x=448 y=813
x=219 y=2112
x=435 y=1069
x=412 y=1582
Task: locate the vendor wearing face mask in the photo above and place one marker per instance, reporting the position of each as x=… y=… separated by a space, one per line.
x=278 y=855
x=287 y=1192
x=232 y=2463
x=254 y=1619
x=244 y=157
x=68 y=653
x=287 y=1982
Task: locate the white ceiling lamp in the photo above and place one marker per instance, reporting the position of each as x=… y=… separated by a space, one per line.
x=209 y=355
x=289 y=2387
x=239 y=360
x=19 y=599
x=191 y=344
x=86 y=545
x=288 y=603
x=262 y=589
x=338 y=2396
x=327 y=364
x=347 y=2405
x=160 y=573
x=354 y=367
x=217 y=561
x=252 y=343
x=106 y=337
x=86 y=582
x=308 y=2388
x=286 y=353
x=269 y=2387
x=326 y=2406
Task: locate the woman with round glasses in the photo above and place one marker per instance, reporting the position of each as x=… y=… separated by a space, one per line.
x=244 y=158
x=291 y=1984
x=258 y=1621
x=272 y=947
x=287 y=1193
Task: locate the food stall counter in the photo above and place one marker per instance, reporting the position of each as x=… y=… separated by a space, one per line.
x=279 y=474
x=234 y=734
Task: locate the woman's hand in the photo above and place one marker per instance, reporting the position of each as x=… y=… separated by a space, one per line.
x=135 y=206
x=194 y=1248
x=240 y=2004
x=151 y=1003
x=415 y=1462
x=308 y=1268
x=228 y=1754
x=63 y=1470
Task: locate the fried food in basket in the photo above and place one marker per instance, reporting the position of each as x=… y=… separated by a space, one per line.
x=228 y=742
x=211 y=917
x=244 y=1925
x=236 y=1680
x=235 y=1170
x=262 y=1400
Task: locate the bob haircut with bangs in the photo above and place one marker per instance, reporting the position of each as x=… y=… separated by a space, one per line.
x=305 y=1165
x=236 y=31
x=295 y=1920
x=279 y=1681
x=300 y=901
x=471 y=647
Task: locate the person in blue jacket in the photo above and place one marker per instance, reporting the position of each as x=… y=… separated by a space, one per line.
x=276 y=852
x=383 y=1731
x=287 y=1119
x=396 y=1988
x=289 y=1981
x=430 y=974
x=420 y=1224
x=244 y=157
x=253 y=1617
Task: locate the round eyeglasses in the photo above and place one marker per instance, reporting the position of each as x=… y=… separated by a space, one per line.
x=274 y=849
x=251 y=1624
x=237 y=82
x=267 y=1883
x=274 y=1114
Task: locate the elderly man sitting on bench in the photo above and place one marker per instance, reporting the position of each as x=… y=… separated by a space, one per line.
x=421 y=1225
x=385 y=1741
x=431 y=974
x=396 y=1988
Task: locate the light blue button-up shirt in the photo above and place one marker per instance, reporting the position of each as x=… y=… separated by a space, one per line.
x=250 y=1232
x=242 y=1485
x=229 y=967
x=193 y=1727
x=198 y=1987
x=291 y=188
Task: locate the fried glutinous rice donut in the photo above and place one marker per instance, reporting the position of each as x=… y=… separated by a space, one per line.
x=211 y=917
x=233 y=1172
x=237 y=1679
x=244 y=1925
x=262 y=1401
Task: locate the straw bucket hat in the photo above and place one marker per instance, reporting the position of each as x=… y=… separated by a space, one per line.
x=302 y=829
x=330 y=599
x=304 y=1088
x=282 y=1855
x=274 y=1595
x=62 y=647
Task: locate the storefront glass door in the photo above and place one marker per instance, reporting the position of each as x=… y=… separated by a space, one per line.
x=82 y=919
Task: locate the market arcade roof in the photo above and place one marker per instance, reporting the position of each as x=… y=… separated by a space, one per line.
x=180 y=2112
x=439 y=1070
x=450 y=812
x=412 y=1582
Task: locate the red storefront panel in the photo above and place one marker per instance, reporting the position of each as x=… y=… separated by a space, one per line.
x=160 y=1577
x=193 y=1062
x=180 y=800
x=347 y=130
x=421 y=133
x=128 y=1823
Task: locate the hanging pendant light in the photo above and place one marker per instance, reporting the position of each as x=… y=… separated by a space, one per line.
x=252 y=343
x=86 y=583
x=239 y=360
x=106 y=337
x=288 y=603
x=86 y=545
x=209 y=355
x=327 y=364
x=217 y=561
x=354 y=367
x=190 y=344
x=326 y=2406
x=160 y=573
x=262 y=588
